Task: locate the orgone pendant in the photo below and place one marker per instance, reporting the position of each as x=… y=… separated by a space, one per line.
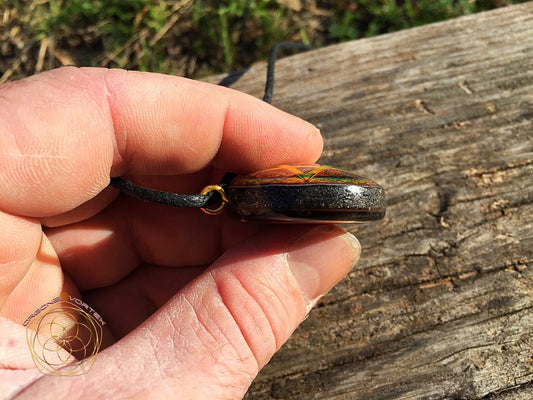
x=288 y=193
x=305 y=193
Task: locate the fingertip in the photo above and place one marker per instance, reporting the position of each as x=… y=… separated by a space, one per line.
x=320 y=258
x=265 y=138
x=315 y=140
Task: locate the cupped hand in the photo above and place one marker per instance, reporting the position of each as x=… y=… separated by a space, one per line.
x=194 y=305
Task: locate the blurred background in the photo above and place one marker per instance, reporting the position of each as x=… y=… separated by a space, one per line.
x=195 y=38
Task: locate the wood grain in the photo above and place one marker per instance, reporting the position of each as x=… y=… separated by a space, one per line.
x=441 y=304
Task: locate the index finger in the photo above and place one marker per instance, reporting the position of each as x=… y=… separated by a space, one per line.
x=65 y=132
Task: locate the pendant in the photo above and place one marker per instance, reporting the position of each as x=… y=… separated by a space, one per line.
x=302 y=194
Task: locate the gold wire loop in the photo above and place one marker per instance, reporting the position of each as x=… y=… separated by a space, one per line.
x=221 y=192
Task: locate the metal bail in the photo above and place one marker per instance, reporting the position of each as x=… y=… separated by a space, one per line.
x=221 y=192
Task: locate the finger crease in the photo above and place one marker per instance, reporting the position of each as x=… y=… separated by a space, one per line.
x=121 y=145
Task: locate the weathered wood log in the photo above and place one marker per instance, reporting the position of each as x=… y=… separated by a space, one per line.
x=441 y=304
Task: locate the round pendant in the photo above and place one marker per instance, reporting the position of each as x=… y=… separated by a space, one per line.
x=306 y=193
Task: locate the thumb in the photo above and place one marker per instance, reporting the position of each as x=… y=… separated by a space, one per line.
x=211 y=339
x=255 y=296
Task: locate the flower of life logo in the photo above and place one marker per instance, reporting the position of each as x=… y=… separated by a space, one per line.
x=64 y=336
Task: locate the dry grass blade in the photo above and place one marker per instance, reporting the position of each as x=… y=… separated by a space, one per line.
x=45 y=43
x=175 y=16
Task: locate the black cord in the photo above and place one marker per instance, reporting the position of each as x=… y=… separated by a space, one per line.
x=269 y=85
x=166 y=198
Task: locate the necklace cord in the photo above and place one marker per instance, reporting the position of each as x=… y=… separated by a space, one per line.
x=161 y=197
x=269 y=85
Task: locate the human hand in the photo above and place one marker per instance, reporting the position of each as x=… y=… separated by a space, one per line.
x=194 y=305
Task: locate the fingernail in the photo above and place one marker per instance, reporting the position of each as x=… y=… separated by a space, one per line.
x=320 y=258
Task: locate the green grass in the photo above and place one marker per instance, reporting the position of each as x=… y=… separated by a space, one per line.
x=195 y=38
x=366 y=18
x=218 y=28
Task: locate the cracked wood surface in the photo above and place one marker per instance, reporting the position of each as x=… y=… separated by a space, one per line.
x=440 y=305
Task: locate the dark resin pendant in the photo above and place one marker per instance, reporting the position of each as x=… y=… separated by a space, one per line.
x=306 y=193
